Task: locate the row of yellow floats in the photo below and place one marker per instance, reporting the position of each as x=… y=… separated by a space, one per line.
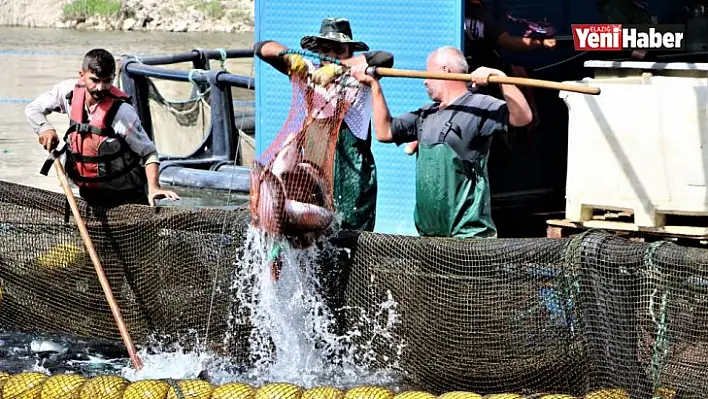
x=34 y=385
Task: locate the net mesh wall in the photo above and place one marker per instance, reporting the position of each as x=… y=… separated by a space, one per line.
x=571 y=316
x=161 y=264
x=179 y=127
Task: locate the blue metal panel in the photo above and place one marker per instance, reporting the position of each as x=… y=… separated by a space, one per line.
x=410 y=29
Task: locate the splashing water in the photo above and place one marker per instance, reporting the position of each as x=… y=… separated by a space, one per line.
x=293 y=336
x=173 y=361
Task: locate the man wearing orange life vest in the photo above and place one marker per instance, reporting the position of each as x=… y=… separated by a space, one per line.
x=108 y=154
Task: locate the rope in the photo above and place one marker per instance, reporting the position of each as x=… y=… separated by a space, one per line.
x=310 y=54
x=223 y=224
x=190 y=76
x=661 y=345
x=116 y=81
x=560 y=62
x=172 y=383
x=223 y=59
x=277 y=249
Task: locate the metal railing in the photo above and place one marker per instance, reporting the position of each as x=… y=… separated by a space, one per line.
x=221 y=144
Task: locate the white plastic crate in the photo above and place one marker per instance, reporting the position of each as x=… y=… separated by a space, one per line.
x=641 y=145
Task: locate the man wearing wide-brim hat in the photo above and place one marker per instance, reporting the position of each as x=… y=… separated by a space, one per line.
x=355 y=182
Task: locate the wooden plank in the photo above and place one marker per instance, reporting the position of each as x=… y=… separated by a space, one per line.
x=643 y=220
x=689 y=232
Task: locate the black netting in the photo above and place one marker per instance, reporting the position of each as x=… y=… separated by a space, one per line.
x=576 y=315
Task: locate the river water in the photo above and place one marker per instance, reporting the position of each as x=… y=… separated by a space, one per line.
x=32 y=60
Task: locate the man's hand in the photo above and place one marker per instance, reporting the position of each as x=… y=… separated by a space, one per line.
x=480 y=76
x=639 y=54
x=159 y=193
x=49 y=139
x=296 y=64
x=326 y=74
x=359 y=73
x=411 y=148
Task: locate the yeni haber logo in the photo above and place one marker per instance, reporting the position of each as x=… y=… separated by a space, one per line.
x=617 y=37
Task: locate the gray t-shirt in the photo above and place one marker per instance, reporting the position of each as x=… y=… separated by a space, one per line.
x=466 y=125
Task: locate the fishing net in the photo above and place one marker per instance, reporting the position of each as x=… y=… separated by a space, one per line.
x=163 y=265
x=571 y=316
x=292 y=181
x=179 y=127
x=592 y=316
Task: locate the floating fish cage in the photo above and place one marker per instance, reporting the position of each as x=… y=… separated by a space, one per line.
x=567 y=316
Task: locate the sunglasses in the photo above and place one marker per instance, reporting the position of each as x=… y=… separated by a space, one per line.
x=335 y=50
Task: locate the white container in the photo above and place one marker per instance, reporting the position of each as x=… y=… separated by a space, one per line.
x=640 y=145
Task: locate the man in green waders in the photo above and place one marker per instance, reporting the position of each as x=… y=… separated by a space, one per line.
x=454 y=135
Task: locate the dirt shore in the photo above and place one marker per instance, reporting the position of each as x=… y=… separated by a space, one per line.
x=151 y=15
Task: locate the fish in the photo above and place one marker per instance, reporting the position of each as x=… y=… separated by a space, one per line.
x=290 y=198
x=268 y=208
x=286 y=159
x=307 y=217
x=40 y=346
x=307 y=184
x=19 y=351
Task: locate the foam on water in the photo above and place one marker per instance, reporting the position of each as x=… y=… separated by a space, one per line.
x=175 y=363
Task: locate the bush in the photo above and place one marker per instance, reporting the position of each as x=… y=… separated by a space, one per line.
x=89 y=8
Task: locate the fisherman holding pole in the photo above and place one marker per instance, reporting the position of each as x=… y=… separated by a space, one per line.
x=108 y=154
x=454 y=133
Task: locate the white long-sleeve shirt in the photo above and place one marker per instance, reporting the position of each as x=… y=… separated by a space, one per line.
x=126 y=122
x=358 y=115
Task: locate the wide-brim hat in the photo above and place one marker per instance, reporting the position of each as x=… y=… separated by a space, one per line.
x=333 y=30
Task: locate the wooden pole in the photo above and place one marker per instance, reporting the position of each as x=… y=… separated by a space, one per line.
x=544 y=84
x=137 y=363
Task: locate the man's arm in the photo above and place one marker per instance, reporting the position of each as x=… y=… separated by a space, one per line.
x=46 y=103
x=268 y=51
x=127 y=124
x=381 y=114
x=519 y=44
x=519 y=111
x=36 y=113
x=398 y=130
x=496 y=33
x=371 y=58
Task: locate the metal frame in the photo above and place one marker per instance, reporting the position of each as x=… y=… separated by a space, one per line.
x=218 y=147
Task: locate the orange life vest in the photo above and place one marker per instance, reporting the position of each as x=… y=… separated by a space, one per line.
x=97 y=157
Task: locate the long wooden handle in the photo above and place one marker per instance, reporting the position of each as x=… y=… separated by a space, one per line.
x=137 y=363
x=465 y=77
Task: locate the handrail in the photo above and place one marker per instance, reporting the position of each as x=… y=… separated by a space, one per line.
x=220 y=145
x=196 y=55
x=135 y=67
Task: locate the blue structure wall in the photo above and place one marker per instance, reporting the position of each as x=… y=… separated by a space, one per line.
x=410 y=29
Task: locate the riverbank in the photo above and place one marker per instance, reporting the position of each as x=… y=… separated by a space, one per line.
x=131 y=15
